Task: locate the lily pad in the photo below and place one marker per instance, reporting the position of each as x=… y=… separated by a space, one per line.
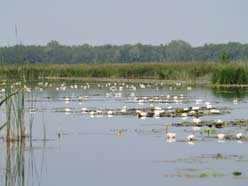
x=236 y=173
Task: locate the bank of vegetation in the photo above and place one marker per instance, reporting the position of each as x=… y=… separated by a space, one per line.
x=175 y=51
x=216 y=73
x=177 y=60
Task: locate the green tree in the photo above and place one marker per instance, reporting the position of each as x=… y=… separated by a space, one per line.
x=224 y=57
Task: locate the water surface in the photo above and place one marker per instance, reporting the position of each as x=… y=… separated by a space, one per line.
x=123 y=149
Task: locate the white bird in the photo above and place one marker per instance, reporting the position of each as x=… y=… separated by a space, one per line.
x=196 y=120
x=184 y=115
x=209 y=106
x=171 y=135
x=189 y=88
x=92 y=113
x=219 y=121
x=67 y=100
x=142 y=86
x=157 y=113
x=83 y=110
x=221 y=136
x=191 y=137
x=143 y=114
x=110 y=112
x=192 y=112
x=239 y=135
x=67 y=110
x=186 y=109
x=195 y=108
x=214 y=111
x=124 y=109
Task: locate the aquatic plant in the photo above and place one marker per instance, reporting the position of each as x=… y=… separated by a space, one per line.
x=230 y=74
x=165 y=71
x=236 y=173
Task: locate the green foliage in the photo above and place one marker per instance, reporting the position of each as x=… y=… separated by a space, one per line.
x=231 y=74
x=236 y=173
x=210 y=131
x=224 y=57
x=177 y=50
x=168 y=71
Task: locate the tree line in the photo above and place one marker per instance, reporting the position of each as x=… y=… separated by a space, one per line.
x=175 y=51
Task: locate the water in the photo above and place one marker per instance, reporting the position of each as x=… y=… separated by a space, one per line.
x=123 y=149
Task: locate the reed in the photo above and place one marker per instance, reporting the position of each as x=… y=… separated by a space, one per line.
x=217 y=73
x=14 y=106
x=170 y=71
x=231 y=74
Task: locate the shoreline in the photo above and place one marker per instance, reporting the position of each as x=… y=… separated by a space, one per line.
x=198 y=83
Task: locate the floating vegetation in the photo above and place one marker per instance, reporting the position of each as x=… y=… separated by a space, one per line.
x=213 y=123
x=186 y=119
x=150 y=112
x=189 y=172
x=161 y=99
x=210 y=131
x=206 y=158
x=197 y=173
x=236 y=173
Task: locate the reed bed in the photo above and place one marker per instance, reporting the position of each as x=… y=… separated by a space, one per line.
x=216 y=73
x=168 y=71
x=233 y=73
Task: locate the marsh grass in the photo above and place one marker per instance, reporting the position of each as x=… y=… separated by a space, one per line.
x=233 y=73
x=217 y=73
x=18 y=169
x=168 y=71
x=15 y=128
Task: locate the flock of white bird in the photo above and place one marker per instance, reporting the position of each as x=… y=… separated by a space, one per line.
x=191 y=137
x=116 y=91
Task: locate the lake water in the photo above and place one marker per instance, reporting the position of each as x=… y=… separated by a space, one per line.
x=123 y=149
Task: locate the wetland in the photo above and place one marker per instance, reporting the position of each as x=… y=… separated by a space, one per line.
x=125 y=133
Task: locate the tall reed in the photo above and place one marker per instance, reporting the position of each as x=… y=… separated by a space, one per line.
x=171 y=71
x=231 y=74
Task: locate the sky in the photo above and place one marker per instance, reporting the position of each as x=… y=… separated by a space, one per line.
x=98 y=22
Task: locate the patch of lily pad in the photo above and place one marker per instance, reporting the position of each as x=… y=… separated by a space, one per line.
x=197 y=173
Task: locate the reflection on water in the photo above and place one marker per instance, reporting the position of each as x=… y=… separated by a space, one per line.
x=230 y=93
x=19 y=164
x=72 y=146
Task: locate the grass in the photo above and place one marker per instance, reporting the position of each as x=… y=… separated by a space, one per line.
x=216 y=73
x=18 y=171
x=231 y=74
x=14 y=105
x=168 y=71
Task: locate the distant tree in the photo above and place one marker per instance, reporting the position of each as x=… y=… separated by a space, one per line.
x=224 y=57
x=176 y=50
x=53 y=44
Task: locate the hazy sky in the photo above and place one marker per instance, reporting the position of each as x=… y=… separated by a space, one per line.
x=123 y=21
